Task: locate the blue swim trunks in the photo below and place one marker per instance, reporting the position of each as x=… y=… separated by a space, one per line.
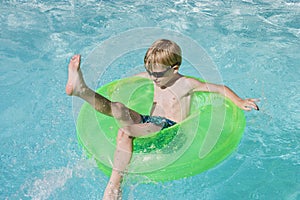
x=160 y=121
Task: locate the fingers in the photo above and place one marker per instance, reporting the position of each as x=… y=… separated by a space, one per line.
x=246 y=108
x=253 y=100
x=250 y=104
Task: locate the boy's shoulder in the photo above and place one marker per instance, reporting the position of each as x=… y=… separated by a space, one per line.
x=187 y=84
x=191 y=84
x=191 y=81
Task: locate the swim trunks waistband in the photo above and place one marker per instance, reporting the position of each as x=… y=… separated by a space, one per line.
x=160 y=121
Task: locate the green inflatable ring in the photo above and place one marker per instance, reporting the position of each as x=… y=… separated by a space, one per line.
x=209 y=135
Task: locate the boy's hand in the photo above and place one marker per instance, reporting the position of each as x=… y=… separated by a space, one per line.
x=248 y=104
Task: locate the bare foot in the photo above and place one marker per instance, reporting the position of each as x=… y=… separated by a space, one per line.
x=75 y=82
x=112 y=193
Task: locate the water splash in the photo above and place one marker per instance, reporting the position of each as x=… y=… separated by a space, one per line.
x=52 y=180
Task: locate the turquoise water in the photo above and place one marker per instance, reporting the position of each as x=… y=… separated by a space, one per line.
x=253 y=43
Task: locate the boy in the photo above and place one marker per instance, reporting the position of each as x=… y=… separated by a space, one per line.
x=171 y=104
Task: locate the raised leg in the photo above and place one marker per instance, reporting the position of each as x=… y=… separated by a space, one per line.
x=77 y=87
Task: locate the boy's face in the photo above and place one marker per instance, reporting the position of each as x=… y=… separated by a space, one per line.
x=161 y=75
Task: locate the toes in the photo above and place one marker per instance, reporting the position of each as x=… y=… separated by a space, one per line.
x=75 y=58
x=75 y=62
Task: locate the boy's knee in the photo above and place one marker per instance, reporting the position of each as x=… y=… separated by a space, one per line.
x=117 y=108
x=118 y=105
x=124 y=133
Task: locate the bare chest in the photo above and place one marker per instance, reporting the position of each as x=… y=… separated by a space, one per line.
x=167 y=103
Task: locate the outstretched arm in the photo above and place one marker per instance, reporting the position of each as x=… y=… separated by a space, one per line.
x=245 y=104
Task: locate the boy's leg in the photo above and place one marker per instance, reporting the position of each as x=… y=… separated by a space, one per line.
x=122 y=158
x=123 y=155
x=77 y=87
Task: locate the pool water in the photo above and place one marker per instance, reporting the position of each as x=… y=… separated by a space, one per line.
x=254 y=45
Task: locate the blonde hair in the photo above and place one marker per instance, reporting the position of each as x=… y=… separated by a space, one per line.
x=164 y=52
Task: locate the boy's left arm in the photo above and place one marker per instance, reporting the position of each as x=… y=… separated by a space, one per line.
x=245 y=104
